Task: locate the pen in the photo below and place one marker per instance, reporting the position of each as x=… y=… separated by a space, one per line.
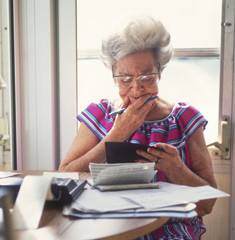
x=120 y=111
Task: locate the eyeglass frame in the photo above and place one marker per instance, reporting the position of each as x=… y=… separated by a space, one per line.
x=137 y=77
x=130 y=79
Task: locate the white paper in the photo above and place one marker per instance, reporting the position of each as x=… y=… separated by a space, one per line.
x=120 y=187
x=123 y=173
x=73 y=175
x=92 y=200
x=30 y=202
x=8 y=174
x=171 y=194
x=95 y=204
x=178 y=208
x=10 y=181
x=175 y=208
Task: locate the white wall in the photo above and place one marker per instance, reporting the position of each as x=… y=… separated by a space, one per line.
x=45 y=81
x=67 y=73
x=35 y=82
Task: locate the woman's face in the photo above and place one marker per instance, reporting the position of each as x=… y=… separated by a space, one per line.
x=139 y=67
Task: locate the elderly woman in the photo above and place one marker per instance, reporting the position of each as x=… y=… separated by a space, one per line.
x=137 y=56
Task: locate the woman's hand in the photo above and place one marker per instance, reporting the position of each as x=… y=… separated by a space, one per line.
x=165 y=156
x=133 y=117
x=200 y=173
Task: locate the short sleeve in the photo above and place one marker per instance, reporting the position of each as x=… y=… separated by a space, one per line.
x=94 y=117
x=190 y=119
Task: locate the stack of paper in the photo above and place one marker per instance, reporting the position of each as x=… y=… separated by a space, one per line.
x=169 y=200
x=95 y=204
x=121 y=174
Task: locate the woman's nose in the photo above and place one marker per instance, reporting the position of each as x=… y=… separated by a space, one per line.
x=136 y=87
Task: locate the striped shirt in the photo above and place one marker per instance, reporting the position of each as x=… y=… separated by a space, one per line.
x=175 y=129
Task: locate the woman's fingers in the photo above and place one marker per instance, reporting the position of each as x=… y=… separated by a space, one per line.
x=147 y=155
x=157 y=152
x=126 y=102
x=150 y=157
x=167 y=148
x=140 y=108
x=146 y=108
x=132 y=117
x=165 y=156
x=140 y=102
x=142 y=161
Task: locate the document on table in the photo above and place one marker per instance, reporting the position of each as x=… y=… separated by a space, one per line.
x=129 y=214
x=92 y=200
x=170 y=200
x=121 y=173
x=113 y=205
x=30 y=202
x=73 y=175
x=119 y=187
x=8 y=174
x=114 y=201
x=171 y=194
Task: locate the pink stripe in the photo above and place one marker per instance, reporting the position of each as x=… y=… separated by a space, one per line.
x=93 y=123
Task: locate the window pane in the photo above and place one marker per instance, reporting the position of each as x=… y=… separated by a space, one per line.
x=196 y=81
x=5 y=124
x=192 y=23
x=192 y=80
x=94 y=85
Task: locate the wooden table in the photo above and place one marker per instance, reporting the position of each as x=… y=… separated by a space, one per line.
x=54 y=226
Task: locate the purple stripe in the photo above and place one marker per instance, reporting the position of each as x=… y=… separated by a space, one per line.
x=93 y=129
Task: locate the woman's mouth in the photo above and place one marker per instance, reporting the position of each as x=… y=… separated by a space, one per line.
x=151 y=97
x=133 y=99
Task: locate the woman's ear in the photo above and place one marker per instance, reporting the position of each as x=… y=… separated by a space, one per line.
x=159 y=70
x=113 y=69
x=159 y=77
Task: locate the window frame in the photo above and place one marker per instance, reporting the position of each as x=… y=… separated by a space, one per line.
x=67 y=85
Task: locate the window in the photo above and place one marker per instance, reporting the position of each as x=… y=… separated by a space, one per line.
x=193 y=74
x=5 y=83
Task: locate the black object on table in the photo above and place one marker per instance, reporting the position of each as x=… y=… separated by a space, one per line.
x=66 y=190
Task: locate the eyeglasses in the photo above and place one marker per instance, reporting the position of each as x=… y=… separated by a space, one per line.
x=143 y=79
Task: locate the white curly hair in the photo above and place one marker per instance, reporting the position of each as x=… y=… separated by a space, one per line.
x=138 y=35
